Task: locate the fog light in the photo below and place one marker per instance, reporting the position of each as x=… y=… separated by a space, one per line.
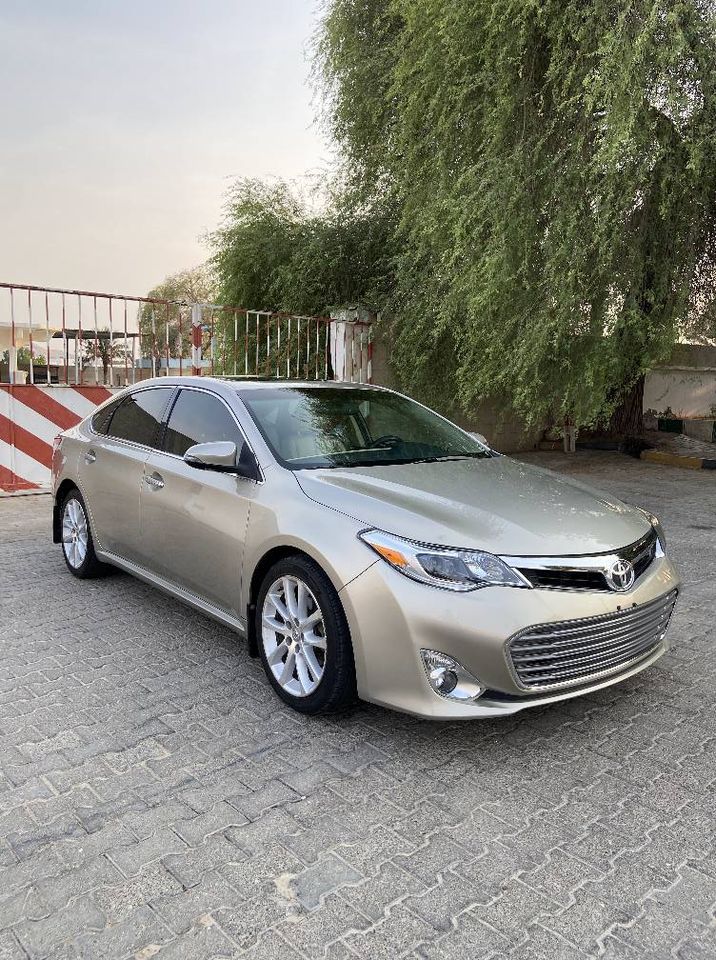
x=449 y=678
x=443 y=680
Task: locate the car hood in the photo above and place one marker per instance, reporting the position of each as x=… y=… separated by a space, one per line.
x=496 y=504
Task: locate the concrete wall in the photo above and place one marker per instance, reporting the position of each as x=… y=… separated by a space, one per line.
x=686 y=384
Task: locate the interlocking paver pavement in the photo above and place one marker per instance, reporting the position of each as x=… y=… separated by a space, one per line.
x=156 y=799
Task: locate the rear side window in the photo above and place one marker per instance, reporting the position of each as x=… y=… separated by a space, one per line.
x=139 y=416
x=199 y=418
x=103 y=417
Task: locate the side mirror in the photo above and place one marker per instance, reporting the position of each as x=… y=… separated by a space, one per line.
x=221 y=456
x=479 y=437
x=212 y=456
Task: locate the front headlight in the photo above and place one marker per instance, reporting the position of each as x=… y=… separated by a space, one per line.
x=442 y=567
x=658 y=528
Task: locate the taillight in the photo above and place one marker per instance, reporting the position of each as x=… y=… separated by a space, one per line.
x=56 y=444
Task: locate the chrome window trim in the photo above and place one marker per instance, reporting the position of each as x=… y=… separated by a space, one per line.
x=107 y=403
x=200 y=389
x=130 y=393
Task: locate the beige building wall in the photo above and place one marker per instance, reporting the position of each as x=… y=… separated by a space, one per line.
x=686 y=384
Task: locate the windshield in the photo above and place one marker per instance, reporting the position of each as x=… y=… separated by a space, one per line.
x=310 y=427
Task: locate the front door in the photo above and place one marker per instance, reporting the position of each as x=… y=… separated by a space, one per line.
x=194 y=520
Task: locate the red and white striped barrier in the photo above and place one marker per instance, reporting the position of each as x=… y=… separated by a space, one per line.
x=30 y=419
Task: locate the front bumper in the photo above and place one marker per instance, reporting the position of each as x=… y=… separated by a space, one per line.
x=392 y=618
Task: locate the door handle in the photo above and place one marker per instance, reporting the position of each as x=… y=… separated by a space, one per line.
x=90 y=456
x=154 y=481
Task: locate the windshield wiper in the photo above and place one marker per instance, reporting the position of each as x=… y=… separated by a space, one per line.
x=447 y=457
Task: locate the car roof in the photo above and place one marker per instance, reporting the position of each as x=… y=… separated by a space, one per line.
x=272 y=384
x=252 y=384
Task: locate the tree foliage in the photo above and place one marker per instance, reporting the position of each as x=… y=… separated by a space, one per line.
x=106 y=350
x=22 y=357
x=276 y=250
x=550 y=169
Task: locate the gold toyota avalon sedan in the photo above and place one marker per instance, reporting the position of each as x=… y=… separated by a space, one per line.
x=364 y=545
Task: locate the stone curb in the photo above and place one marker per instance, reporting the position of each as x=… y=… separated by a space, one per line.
x=674 y=460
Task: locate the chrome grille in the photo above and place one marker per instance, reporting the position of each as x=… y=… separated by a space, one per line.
x=587 y=572
x=574 y=651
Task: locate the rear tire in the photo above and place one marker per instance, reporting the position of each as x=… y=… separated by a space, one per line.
x=303 y=638
x=77 y=543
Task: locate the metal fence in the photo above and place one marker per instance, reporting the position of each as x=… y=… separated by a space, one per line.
x=78 y=337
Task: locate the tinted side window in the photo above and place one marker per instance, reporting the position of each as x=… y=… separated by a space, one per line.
x=101 y=419
x=199 y=418
x=138 y=416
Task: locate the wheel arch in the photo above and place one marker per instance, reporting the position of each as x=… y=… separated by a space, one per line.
x=62 y=491
x=266 y=561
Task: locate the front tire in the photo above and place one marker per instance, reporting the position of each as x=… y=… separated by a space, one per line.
x=303 y=638
x=77 y=543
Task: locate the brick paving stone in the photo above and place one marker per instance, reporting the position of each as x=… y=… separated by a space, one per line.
x=514 y=908
x=325 y=876
x=313 y=933
x=377 y=893
x=39 y=937
x=396 y=933
x=202 y=941
x=10 y=949
x=152 y=802
x=543 y=944
x=120 y=898
x=58 y=891
x=469 y=938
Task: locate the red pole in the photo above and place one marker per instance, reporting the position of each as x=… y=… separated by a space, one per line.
x=211 y=345
x=181 y=343
x=167 y=340
x=196 y=339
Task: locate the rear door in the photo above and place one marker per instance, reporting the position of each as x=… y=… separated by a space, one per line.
x=111 y=468
x=194 y=521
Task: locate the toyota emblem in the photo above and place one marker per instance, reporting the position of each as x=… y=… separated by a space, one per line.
x=620 y=576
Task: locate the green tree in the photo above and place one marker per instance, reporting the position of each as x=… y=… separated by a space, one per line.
x=552 y=168
x=23 y=358
x=281 y=250
x=105 y=349
x=276 y=250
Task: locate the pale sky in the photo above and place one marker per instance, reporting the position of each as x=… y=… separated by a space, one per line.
x=123 y=122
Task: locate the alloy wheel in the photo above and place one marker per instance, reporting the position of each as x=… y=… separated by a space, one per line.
x=75 y=533
x=293 y=633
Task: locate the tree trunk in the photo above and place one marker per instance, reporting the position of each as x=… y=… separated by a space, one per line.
x=628 y=418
